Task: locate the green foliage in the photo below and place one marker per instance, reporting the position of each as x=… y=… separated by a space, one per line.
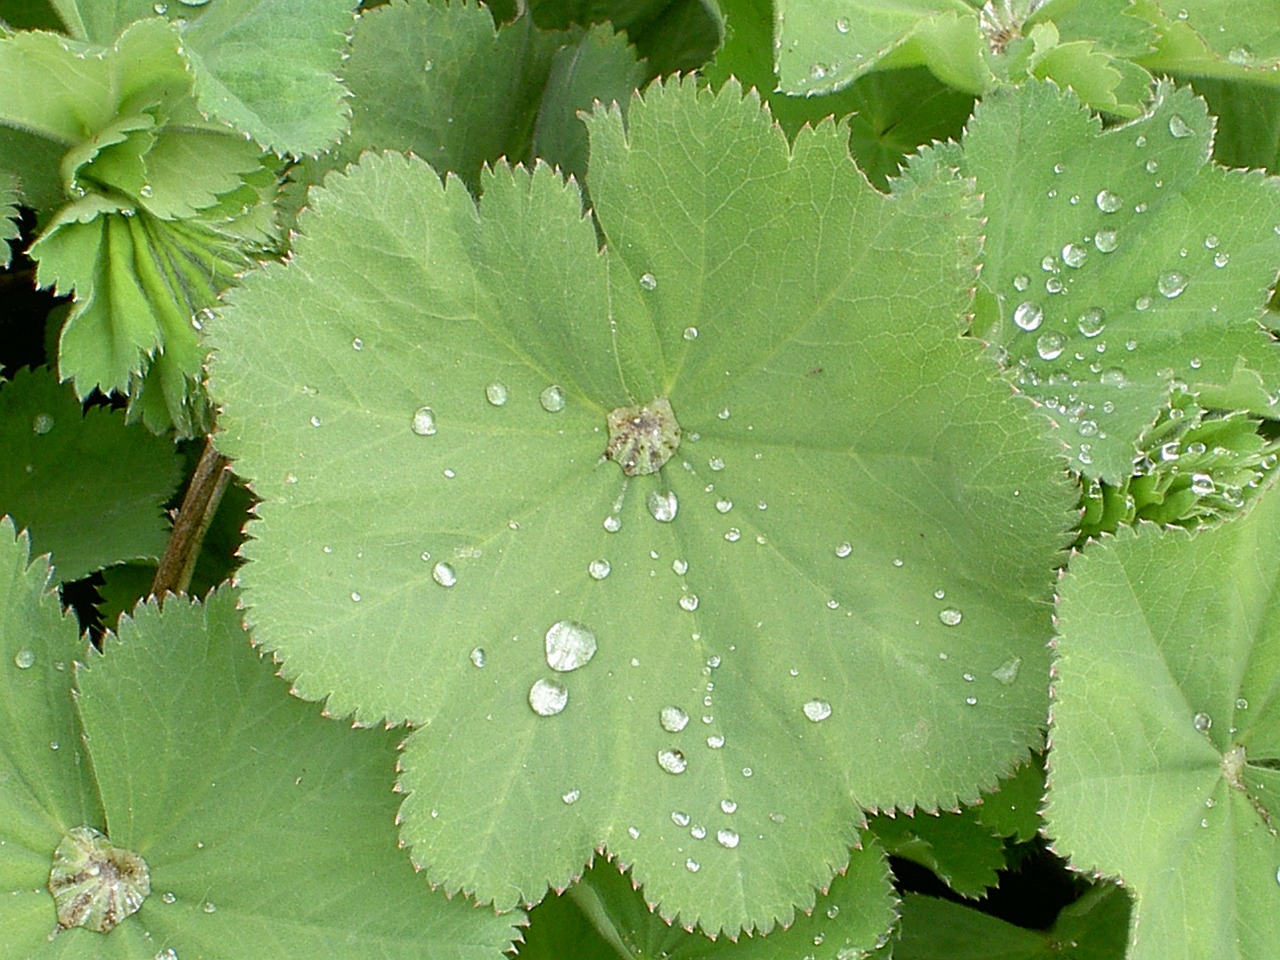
x=687 y=475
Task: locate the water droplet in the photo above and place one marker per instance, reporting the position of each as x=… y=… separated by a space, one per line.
x=24 y=659
x=1152 y=166
x=663 y=505
x=1106 y=241
x=569 y=645
x=444 y=574
x=715 y=463
x=1221 y=259
x=716 y=741
x=1092 y=321
x=424 y=422
x=842 y=24
x=648 y=281
x=724 y=413
x=1202 y=722
x=315 y=421
x=548 y=697
x=679 y=567
x=1202 y=484
x=496 y=393
x=552 y=398
x=1021 y=282
x=1171 y=283
x=1140 y=207
x=698 y=832
x=42 y=423
x=209 y=907
x=692 y=865
x=971 y=701
x=169 y=897
x=1007 y=672
x=689 y=602
x=612 y=523
x=1054 y=285
x=843 y=550
x=673 y=719
x=1088 y=428
x=1075 y=254
x=733 y=534
x=1049 y=346
x=727 y=838
x=1142 y=303
x=477 y=656
x=723 y=505
x=598 y=569
x=168 y=953
x=1242 y=704
x=833 y=911
x=729 y=806
x=672 y=761
x=1108 y=202
x=817 y=710
x=1028 y=315
x=633 y=833
x=572 y=796
x=355 y=597
x=690 y=333
x=1179 y=128
x=950 y=616
x=747 y=771
x=679 y=818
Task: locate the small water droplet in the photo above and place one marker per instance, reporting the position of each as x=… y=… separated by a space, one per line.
x=1142 y=303
x=598 y=569
x=716 y=741
x=1152 y=166
x=1021 y=282
x=633 y=833
x=569 y=645
x=1106 y=241
x=648 y=281
x=552 y=398
x=842 y=24
x=817 y=710
x=571 y=796
x=1171 y=283
x=844 y=549
x=673 y=719
x=1075 y=254
x=679 y=567
x=692 y=865
x=1108 y=202
x=672 y=761
x=42 y=423
x=496 y=393
x=548 y=697
x=698 y=832
x=1221 y=259
x=613 y=523
x=723 y=505
x=663 y=505
x=727 y=838
x=355 y=597
x=477 y=656
x=724 y=413
x=1028 y=315
x=690 y=333
x=747 y=771
x=1092 y=322
x=424 y=422
x=444 y=574
x=1179 y=128
x=689 y=602
x=315 y=421
x=1202 y=484
x=1054 y=285
x=1007 y=672
x=169 y=897
x=1049 y=346
x=1202 y=722
x=971 y=701
x=715 y=463
x=951 y=616
x=679 y=818
x=24 y=659
x=729 y=806
x=209 y=907
x=1242 y=704
x=733 y=534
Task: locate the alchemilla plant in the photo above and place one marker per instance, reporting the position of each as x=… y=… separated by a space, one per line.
x=760 y=479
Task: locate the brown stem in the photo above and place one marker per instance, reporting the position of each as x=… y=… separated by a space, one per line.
x=204 y=493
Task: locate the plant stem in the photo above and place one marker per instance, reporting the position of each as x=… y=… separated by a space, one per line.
x=204 y=493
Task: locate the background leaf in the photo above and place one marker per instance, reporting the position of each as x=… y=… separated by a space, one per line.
x=1166 y=731
x=90 y=489
x=487 y=512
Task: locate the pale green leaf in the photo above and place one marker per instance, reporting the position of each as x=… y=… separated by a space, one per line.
x=1166 y=732
x=1112 y=25
x=806 y=330
x=10 y=196
x=88 y=488
x=1240 y=40
x=1119 y=263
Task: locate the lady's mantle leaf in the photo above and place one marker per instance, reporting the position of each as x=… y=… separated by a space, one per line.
x=1121 y=262
x=89 y=488
x=9 y=196
x=1166 y=732
x=850 y=577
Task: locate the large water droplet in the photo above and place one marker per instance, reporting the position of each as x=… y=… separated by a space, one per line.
x=844 y=549
x=598 y=569
x=1106 y=241
x=817 y=710
x=951 y=616
x=679 y=818
x=42 y=423
x=552 y=398
x=444 y=574
x=663 y=505
x=548 y=697
x=727 y=838
x=673 y=719
x=1092 y=321
x=689 y=602
x=570 y=645
x=698 y=832
x=1075 y=254
x=648 y=281
x=692 y=865
x=1171 y=283
x=424 y=422
x=729 y=806
x=724 y=505
x=496 y=393
x=1202 y=722
x=24 y=659
x=690 y=333
x=1028 y=315
x=1178 y=127
x=613 y=523
x=1049 y=346
x=1108 y=202
x=672 y=761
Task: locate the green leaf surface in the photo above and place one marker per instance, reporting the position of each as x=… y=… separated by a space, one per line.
x=89 y=488
x=9 y=199
x=1166 y=732
x=1204 y=37
x=263 y=826
x=1173 y=258
x=431 y=471
x=958 y=847
x=602 y=917
x=1248 y=128
x=1013 y=808
x=673 y=35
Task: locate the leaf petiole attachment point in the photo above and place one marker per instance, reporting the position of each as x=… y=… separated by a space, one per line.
x=95 y=884
x=642 y=438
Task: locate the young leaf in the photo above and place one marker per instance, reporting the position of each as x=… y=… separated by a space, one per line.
x=1119 y=263
x=1201 y=37
x=831 y=566
x=1166 y=732
x=89 y=488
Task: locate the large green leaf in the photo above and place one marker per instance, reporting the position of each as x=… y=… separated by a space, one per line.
x=1120 y=262
x=841 y=606
x=264 y=828
x=1166 y=732
x=89 y=488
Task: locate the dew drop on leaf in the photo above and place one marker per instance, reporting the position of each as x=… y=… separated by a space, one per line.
x=1106 y=241
x=633 y=832
x=691 y=333
x=728 y=806
x=648 y=281
x=842 y=24
x=1171 y=284
x=496 y=393
x=1242 y=704
x=424 y=422
x=698 y=832
x=477 y=656
x=1108 y=202
x=693 y=866
x=1202 y=722
x=844 y=549
x=689 y=602
x=1075 y=254
x=1202 y=484
x=1221 y=259
x=727 y=838
x=569 y=645
x=572 y=796
x=715 y=463
x=1007 y=672
x=723 y=505
x=548 y=697
x=612 y=523
x=679 y=567
x=672 y=761
x=24 y=659
x=42 y=423
x=94 y=884
x=1028 y=315
x=673 y=719
x=444 y=574
x=552 y=398
x=951 y=616
x=1021 y=282
x=1092 y=322
x=209 y=907
x=715 y=742
x=679 y=818
x=663 y=505
x=817 y=710
x=1049 y=346
x=598 y=569
x=1179 y=128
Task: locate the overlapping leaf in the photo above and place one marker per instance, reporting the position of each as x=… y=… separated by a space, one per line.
x=852 y=586
x=264 y=828
x=1119 y=263
x=1166 y=732
x=89 y=488
x=1204 y=37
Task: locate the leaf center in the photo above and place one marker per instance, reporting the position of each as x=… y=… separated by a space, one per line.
x=642 y=438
